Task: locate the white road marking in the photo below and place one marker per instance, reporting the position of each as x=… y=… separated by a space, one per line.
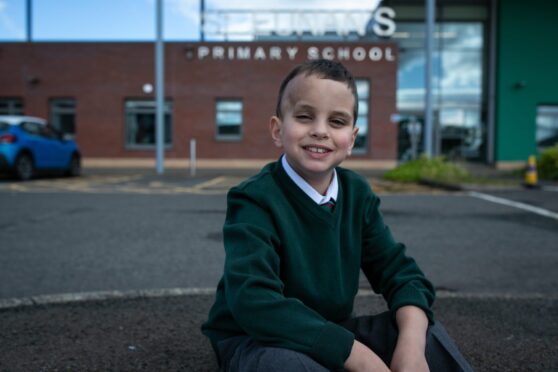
x=514 y=204
x=67 y=298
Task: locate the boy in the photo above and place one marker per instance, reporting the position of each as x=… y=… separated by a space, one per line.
x=296 y=236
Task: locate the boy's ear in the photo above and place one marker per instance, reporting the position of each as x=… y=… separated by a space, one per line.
x=353 y=139
x=275 y=125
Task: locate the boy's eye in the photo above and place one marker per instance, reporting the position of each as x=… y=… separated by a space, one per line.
x=303 y=117
x=338 y=122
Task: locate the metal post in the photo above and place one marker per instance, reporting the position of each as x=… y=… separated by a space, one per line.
x=202 y=20
x=159 y=88
x=430 y=17
x=193 y=157
x=490 y=133
x=29 y=21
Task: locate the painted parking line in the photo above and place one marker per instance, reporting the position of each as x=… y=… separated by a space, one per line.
x=514 y=204
x=81 y=297
x=123 y=184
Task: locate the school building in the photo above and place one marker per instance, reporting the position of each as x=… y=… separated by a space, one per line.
x=494 y=84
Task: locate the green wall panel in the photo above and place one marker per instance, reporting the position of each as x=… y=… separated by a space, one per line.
x=527 y=52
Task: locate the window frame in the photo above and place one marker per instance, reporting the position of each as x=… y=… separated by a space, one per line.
x=62 y=110
x=12 y=106
x=229 y=137
x=148 y=104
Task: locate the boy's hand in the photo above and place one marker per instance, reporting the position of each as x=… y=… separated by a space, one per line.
x=408 y=358
x=362 y=359
x=411 y=342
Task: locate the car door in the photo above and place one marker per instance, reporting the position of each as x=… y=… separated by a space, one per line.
x=56 y=148
x=35 y=142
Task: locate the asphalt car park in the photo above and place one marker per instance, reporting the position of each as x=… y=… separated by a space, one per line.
x=119 y=273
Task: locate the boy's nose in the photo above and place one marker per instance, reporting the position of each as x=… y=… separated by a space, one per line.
x=319 y=130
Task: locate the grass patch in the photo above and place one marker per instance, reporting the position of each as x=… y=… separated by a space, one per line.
x=435 y=169
x=548 y=163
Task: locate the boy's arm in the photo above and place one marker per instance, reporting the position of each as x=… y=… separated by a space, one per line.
x=364 y=359
x=411 y=342
x=409 y=351
x=388 y=269
x=254 y=289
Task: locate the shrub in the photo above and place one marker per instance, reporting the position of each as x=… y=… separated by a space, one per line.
x=438 y=169
x=548 y=163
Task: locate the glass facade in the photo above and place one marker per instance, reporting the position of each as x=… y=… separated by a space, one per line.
x=140 y=124
x=458 y=63
x=228 y=119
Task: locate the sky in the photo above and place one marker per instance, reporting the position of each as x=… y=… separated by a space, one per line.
x=134 y=20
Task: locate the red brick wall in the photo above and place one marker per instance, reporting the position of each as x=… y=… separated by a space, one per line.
x=101 y=76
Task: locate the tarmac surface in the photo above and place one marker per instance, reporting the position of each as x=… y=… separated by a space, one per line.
x=160 y=330
x=162 y=333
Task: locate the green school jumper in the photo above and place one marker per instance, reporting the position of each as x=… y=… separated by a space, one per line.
x=292 y=267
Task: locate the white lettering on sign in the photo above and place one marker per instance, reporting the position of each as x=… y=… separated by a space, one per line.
x=243 y=52
x=384 y=26
x=218 y=53
x=313 y=53
x=277 y=53
x=359 y=54
x=344 y=54
x=231 y=24
x=328 y=53
x=203 y=52
x=259 y=53
x=292 y=51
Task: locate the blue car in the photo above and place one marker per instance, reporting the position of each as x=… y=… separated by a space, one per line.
x=28 y=145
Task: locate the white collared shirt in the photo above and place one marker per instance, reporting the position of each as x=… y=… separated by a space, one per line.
x=331 y=192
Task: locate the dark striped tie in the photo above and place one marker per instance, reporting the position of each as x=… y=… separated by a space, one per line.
x=329 y=205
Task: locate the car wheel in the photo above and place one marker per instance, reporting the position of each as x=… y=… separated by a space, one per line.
x=23 y=167
x=74 y=169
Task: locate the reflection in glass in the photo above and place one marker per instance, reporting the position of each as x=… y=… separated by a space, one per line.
x=547 y=126
x=457 y=83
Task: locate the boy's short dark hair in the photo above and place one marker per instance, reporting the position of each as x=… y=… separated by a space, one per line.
x=324 y=69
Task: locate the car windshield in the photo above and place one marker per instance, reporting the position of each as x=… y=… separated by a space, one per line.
x=4 y=126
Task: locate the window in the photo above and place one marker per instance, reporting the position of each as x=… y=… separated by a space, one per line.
x=63 y=115
x=141 y=126
x=32 y=128
x=547 y=126
x=228 y=116
x=11 y=106
x=363 y=91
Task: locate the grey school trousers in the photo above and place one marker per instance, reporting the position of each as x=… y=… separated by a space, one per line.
x=243 y=354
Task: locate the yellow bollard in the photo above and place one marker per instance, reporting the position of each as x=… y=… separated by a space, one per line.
x=531 y=178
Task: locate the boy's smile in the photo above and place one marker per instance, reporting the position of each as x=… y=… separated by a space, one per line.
x=316 y=130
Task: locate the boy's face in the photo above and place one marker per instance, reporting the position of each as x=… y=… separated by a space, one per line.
x=316 y=130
